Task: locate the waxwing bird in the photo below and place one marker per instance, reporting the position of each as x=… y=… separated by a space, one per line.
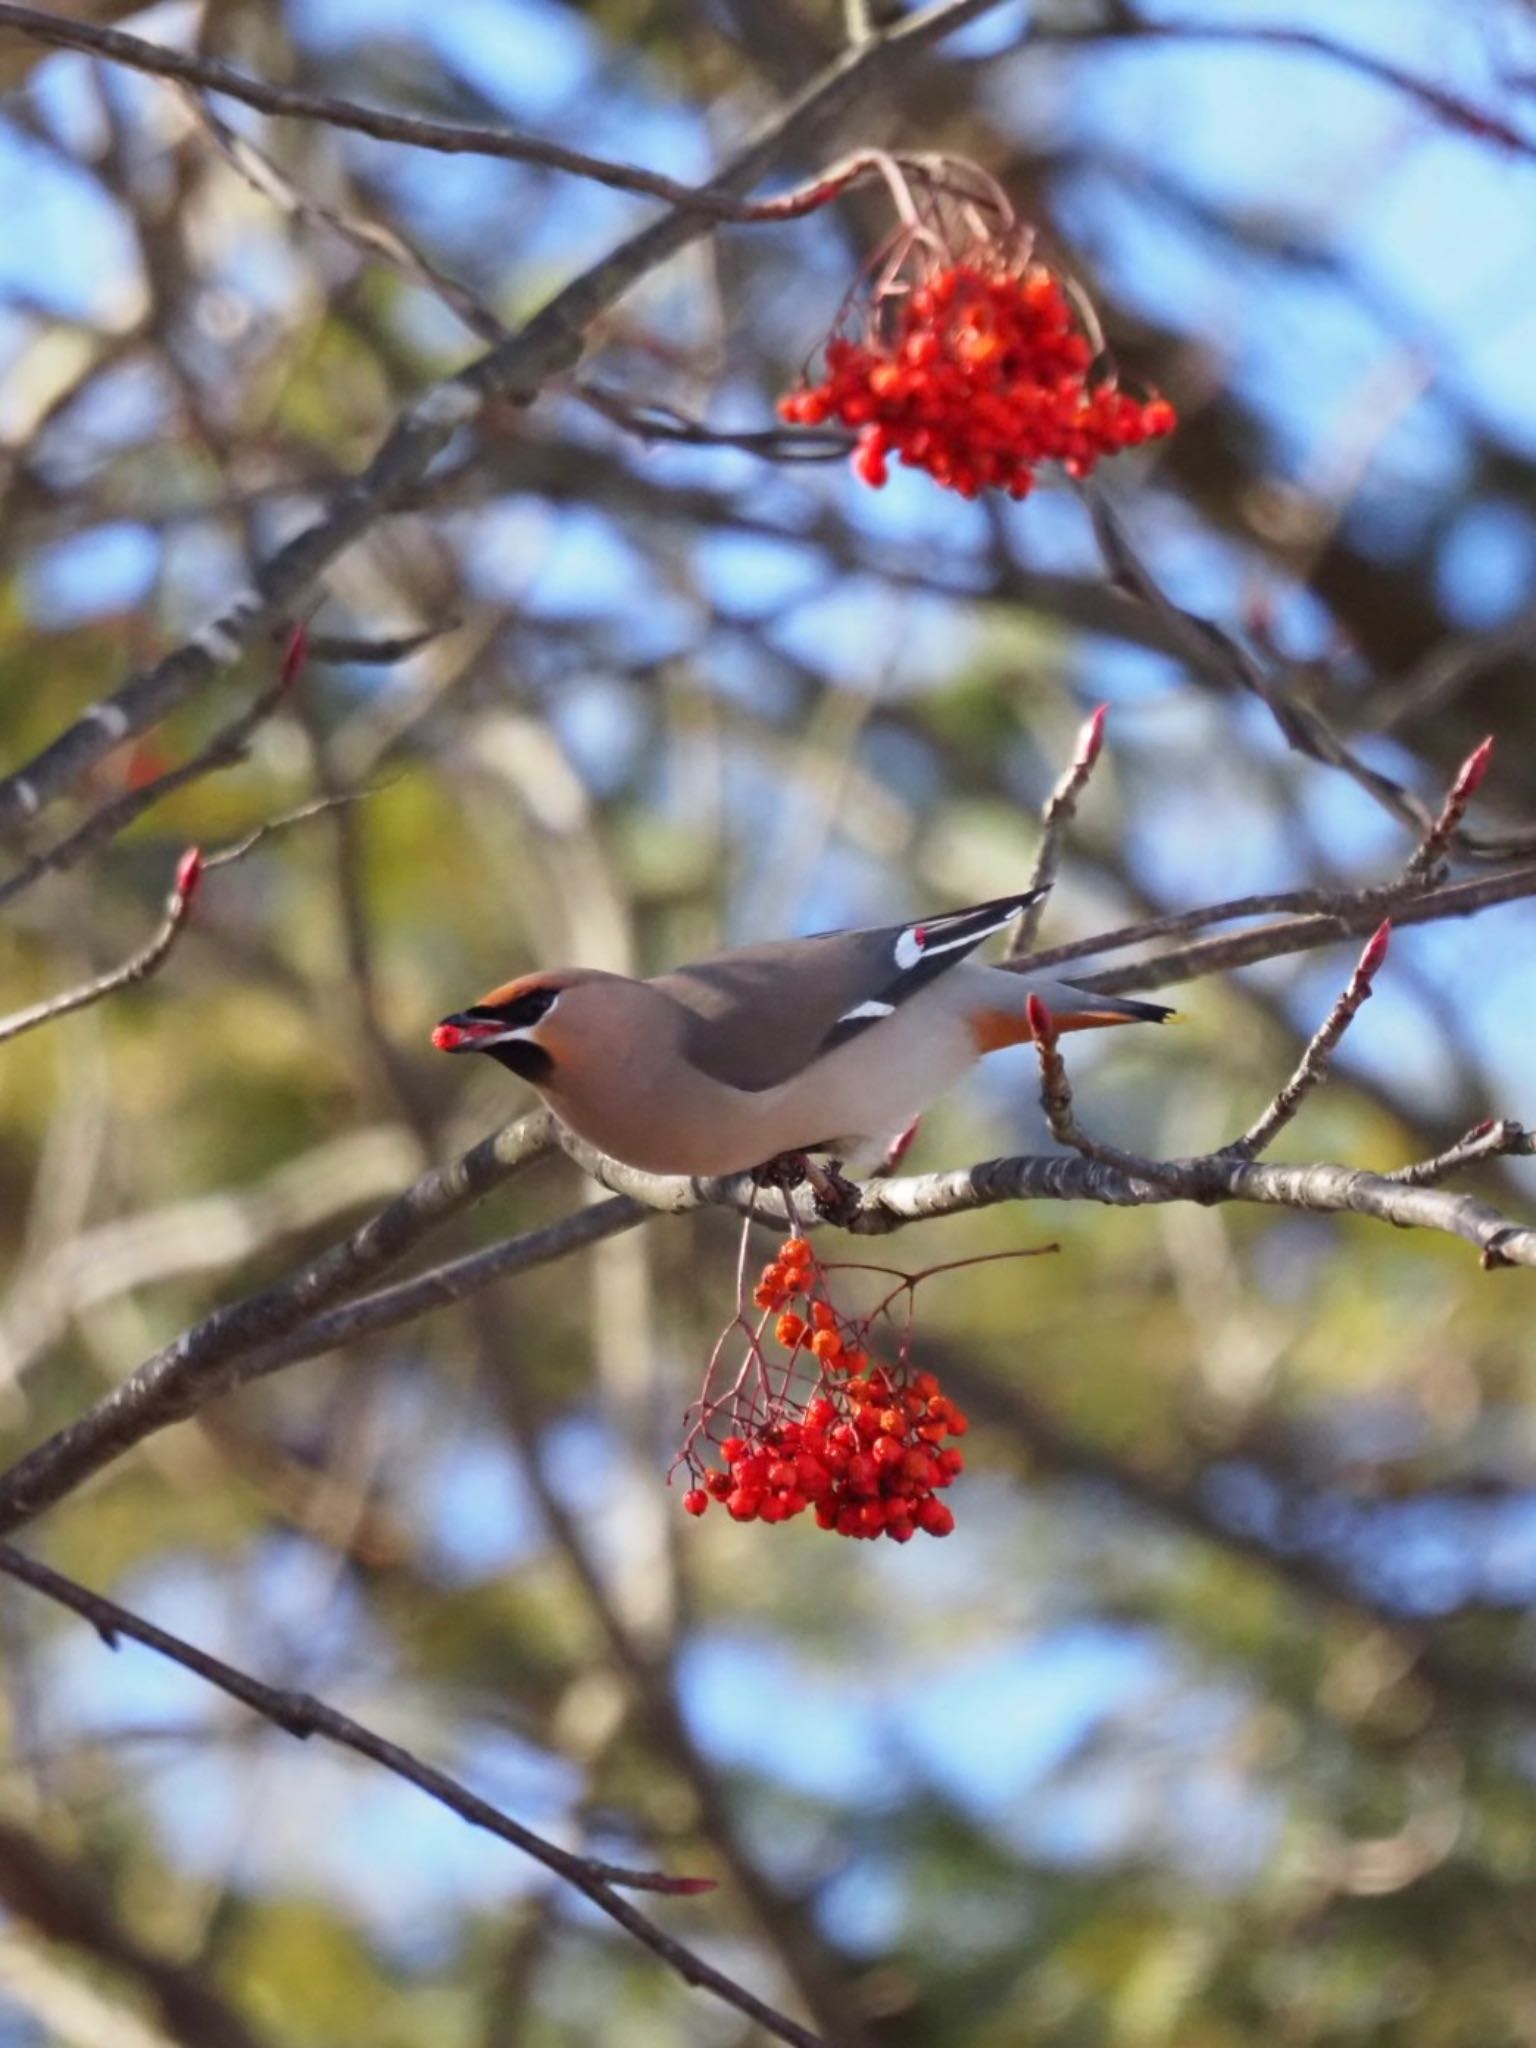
x=824 y=1044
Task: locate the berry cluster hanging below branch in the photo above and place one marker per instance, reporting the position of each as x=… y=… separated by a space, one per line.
x=860 y=1444
x=976 y=366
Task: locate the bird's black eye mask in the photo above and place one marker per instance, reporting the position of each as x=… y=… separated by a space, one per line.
x=517 y=1014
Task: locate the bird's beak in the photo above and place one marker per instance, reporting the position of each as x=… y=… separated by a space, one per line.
x=466 y=1034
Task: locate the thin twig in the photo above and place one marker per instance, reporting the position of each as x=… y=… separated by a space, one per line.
x=366 y=651
x=648 y=420
x=1497 y=1138
x=1056 y=1099
x=378 y=243
x=1314 y=1063
x=137 y=967
x=1057 y=813
x=190 y=870
x=1428 y=863
x=301 y=1714
x=316 y=807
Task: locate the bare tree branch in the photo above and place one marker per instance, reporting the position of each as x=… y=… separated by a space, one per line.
x=1314 y=1063
x=302 y=1715
x=1059 y=809
x=137 y=967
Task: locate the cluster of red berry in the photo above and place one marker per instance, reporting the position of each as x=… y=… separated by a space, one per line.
x=864 y=1449
x=977 y=374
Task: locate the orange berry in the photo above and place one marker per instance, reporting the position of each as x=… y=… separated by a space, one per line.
x=789 y=1329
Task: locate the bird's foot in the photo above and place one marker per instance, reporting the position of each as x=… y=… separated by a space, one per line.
x=837 y=1199
x=788 y=1171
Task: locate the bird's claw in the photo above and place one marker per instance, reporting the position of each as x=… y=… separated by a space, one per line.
x=838 y=1199
x=788 y=1171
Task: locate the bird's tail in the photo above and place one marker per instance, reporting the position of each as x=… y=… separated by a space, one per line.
x=1097 y=1008
x=997 y=1000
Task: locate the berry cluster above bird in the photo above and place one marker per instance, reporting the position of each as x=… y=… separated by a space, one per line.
x=824 y=1044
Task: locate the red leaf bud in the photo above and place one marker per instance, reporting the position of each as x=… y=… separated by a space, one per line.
x=1376 y=949
x=189 y=872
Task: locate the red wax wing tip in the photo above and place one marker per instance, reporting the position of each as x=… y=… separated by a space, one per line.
x=1480 y=1130
x=189 y=872
x=1093 y=737
x=1474 y=768
x=688 y=1887
x=295 y=654
x=1376 y=949
x=447 y=1037
x=1041 y=1022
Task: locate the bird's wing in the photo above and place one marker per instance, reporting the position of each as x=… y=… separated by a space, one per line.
x=760 y=1015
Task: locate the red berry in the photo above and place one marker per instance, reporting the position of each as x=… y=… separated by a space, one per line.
x=933 y=1516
